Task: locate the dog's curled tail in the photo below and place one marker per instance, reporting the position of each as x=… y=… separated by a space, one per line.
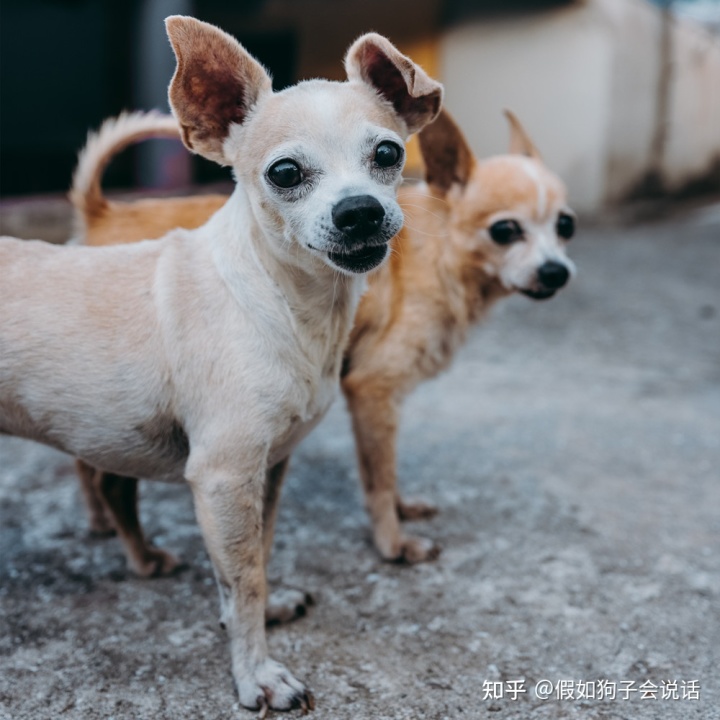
x=113 y=136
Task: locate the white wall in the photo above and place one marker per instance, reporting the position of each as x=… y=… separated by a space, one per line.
x=635 y=31
x=584 y=81
x=694 y=119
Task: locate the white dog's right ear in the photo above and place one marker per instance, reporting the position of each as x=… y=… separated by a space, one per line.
x=520 y=142
x=216 y=83
x=414 y=95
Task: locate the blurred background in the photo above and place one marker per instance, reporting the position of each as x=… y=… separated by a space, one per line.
x=621 y=96
x=573 y=448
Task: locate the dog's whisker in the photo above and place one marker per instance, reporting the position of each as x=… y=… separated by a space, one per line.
x=426 y=233
x=441 y=200
x=424 y=210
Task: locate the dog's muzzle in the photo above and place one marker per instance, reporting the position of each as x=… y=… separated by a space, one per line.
x=359 y=219
x=551 y=276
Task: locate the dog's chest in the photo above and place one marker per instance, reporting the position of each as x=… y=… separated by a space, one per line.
x=437 y=349
x=433 y=327
x=305 y=416
x=318 y=376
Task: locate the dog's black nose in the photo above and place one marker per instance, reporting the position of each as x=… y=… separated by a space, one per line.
x=358 y=216
x=553 y=275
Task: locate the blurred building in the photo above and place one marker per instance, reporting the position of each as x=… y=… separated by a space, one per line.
x=621 y=96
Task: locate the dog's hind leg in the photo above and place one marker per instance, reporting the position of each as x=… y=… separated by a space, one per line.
x=284 y=604
x=374 y=411
x=99 y=515
x=120 y=496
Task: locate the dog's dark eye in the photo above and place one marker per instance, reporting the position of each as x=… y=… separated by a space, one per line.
x=387 y=154
x=565 y=226
x=504 y=232
x=285 y=174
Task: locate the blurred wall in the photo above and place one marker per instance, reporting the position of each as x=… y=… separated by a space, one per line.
x=620 y=102
x=694 y=112
x=553 y=70
x=610 y=105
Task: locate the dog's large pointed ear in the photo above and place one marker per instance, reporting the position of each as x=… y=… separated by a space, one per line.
x=520 y=142
x=216 y=83
x=414 y=95
x=447 y=156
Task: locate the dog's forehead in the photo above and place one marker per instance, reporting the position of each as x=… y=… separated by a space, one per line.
x=322 y=113
x=515 y=184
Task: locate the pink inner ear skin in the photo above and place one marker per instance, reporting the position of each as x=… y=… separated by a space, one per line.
x=393 y=84
x=385 y=76
x=215 y=85
x=214 y=97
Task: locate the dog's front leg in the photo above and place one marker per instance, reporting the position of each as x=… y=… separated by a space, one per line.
x=229 y=507
x=374 y=411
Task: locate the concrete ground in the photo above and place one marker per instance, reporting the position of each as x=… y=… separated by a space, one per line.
x=574 y=451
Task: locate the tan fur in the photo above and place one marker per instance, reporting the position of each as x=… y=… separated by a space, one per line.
x=520 y=142
x=209 y=353
x=127 y=222
x=99 y=221
x=442 y=277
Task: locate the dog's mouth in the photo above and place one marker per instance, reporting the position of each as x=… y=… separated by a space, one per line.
x=359 y=261
x=544 y=294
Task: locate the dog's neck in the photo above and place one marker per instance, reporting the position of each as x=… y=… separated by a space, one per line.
x=482 y=288
x=469 y=284
x=320 y=302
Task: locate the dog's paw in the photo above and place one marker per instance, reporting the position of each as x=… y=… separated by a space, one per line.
x=415 y=509
x=416 y=550
x=412 y=550
x=271 y=686
x=286 y=604
x=406 y=549
x=156 y=563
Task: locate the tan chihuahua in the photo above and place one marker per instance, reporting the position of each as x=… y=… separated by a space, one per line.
x=210 y=353
x=476 y=231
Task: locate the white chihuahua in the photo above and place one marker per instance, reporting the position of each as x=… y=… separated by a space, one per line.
x=210 y=353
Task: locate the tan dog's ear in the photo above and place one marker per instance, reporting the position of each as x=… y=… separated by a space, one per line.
x=447 y=156
x=520 y=142
x=216 y=84
x=414 y=95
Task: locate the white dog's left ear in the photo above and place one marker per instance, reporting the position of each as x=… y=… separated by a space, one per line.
x=415 y=96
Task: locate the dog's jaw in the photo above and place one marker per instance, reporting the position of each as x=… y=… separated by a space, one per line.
x=358 y=261
x=538 y=294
